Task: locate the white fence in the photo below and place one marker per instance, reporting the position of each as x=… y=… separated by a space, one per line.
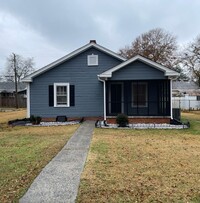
x=186 y=103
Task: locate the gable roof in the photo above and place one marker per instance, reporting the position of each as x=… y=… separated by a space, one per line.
x=92 y=44
x=181 y=88
x=9 y=87
x=167 y=71
x=185 y=85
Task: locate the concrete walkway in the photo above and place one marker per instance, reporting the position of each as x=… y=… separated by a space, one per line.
x=59 y=180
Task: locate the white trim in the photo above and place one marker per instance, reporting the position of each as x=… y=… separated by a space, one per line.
x=167 y=71
x=30 y=77
x=28 y=100
x=55 y=94
x=104 y=99
x=171 y=99
x=89 y=60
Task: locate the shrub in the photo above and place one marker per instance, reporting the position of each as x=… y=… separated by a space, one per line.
x=38 y=119
x=32 y=119
x=122 y=120
x=35 y=119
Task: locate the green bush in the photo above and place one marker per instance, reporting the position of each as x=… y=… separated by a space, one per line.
x=38 y=119
x=35 y=120
x=32 y=119
x=122 y=120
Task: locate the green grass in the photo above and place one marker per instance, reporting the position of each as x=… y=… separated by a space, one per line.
x=143 y=165
x=24 y=152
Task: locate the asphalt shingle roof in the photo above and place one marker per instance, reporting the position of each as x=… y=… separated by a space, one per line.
x=187 y=85
x=10 y=87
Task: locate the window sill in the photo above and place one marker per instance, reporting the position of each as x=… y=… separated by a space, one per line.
x=58 y=106
x=92 y=64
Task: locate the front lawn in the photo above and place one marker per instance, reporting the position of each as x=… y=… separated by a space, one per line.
x=24 y=152
x=11 y=114
x=143 y=165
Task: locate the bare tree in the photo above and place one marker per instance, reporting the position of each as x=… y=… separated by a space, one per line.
x=191 y=59
x=156 y=44
x=183 y=74
x=18 y=67
x=24 y=66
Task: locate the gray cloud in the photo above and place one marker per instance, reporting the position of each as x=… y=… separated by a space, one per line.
x=47 y=29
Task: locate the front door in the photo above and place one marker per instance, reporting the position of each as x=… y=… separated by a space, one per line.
x=115 y=97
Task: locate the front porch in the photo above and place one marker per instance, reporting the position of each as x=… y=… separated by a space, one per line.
x=139 y=88
x=143 y=99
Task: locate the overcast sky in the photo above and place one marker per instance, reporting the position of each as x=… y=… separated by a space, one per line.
x=50 y=29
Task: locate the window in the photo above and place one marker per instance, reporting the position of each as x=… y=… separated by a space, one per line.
x=61 y=94
x=92 y=60
x=198 y=98
x=139 y=94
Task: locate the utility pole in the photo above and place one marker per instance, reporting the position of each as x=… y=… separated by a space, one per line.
x=16 y=85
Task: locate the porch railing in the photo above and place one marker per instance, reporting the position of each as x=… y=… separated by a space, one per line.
x=150 y=108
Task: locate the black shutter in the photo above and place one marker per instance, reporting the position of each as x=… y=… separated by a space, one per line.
x=51 y=96
x=72 y=95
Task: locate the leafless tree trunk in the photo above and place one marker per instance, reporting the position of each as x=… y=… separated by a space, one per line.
x=16 y=83
x=17 y=68
x=23 y=67
x=191 y=59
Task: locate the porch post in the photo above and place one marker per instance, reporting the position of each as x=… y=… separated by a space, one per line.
x=171 y=98
x=104 y=98
x=28 y=100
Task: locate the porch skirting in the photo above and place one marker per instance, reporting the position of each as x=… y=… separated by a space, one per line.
x=142 y=119
x=112 y=119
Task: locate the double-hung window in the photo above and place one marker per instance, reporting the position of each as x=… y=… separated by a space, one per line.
x=61 y=95
x=139 y=94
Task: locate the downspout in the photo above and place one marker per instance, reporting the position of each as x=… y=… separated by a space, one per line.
x=28 y=99
x=171 y=98
x=104 y=98
x=171 y=79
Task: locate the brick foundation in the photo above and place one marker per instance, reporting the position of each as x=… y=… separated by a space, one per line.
x=113 y=119
x=141 y=120
x=53 y=119
x=48 y=119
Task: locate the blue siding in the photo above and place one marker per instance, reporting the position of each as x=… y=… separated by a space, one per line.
x=138 y=71
x=88 y=90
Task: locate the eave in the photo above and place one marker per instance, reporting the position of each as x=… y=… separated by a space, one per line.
x=167 y=71
x=30 y=77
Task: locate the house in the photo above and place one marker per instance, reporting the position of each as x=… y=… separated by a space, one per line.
x=94 y=82
x=186 y=95
x=7 y=94
x=8 y=88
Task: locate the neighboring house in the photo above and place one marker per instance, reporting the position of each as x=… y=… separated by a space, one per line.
x=186 y=95
x=7 y=94
x=94 y=82
x=8 y=88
